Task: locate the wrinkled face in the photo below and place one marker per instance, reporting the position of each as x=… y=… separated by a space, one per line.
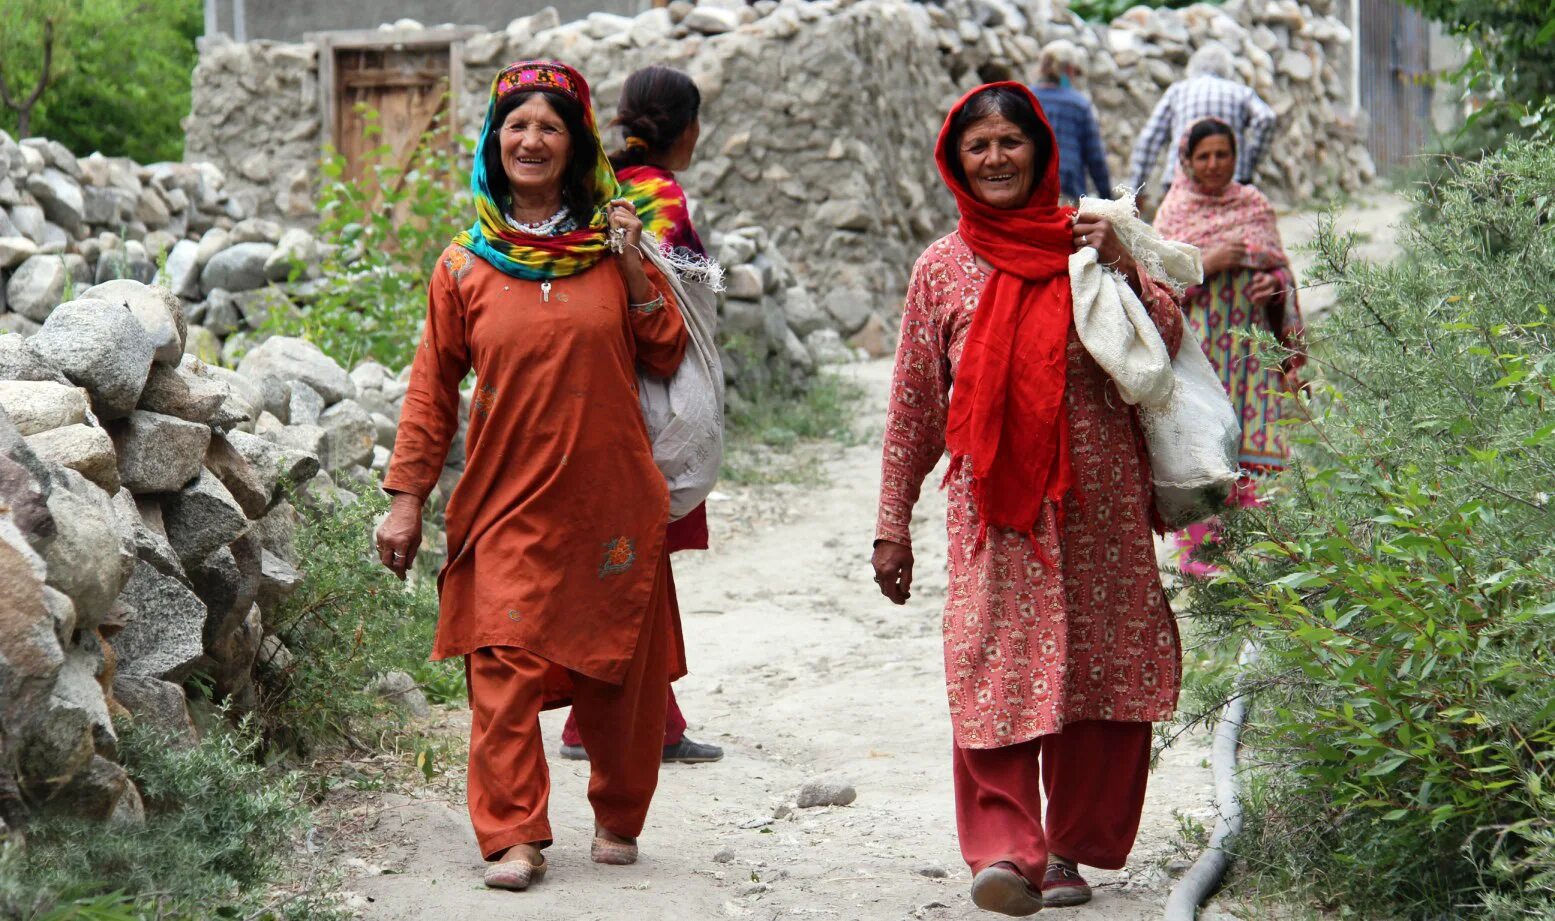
x=535 y=148
x=999 y=161
x=1213 y=162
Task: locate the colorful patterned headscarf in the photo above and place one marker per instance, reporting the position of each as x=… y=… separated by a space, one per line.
x=491 y=237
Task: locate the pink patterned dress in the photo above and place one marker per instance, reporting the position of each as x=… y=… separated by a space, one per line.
x=1031 y=647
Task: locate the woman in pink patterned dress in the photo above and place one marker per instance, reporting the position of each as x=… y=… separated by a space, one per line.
x=1060 y=649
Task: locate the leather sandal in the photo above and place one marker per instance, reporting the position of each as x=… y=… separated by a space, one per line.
x=1063 y=886
x=614 y=853
x=1001 y=888
x=516 y=875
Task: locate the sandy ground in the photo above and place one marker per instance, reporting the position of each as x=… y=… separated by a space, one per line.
x=800 y=670
x=1371 y=217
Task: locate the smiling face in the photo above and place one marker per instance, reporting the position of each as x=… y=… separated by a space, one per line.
x=1214 y=162
x=999 y=161
x=535 y=149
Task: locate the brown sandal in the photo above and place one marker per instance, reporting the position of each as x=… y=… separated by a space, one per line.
x=614 y=853
x=1002 y=889
x=516 y=875
x=1063 y=886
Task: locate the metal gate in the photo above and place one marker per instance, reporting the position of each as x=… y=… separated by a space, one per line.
x=1393 y=77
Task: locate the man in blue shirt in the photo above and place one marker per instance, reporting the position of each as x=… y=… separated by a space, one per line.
x=1080 y=151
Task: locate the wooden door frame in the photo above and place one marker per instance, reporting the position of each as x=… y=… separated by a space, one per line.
x=329 y=43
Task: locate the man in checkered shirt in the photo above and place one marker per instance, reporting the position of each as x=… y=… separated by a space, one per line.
x=1208 y=91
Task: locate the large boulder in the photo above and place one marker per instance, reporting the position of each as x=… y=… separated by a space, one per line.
x=239 y=268
x=159 y=453
x=348 y=436
x=183 y=270
x=290 y=359
x=102 y=347
x=239 y=476
x=86 y=559
x=37 y=406
x=16 y=250
x=201 y=518
x=164 y=633
x=157 y=704
x=85 y=449
x=18 y=362
x=158 y=310
x=60 y=198
x=37 y=287
x=273 y=463
x=183 y=393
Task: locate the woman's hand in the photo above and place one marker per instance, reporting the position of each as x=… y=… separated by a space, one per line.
x=622 y=220
x=1222 y=257
x=1098 y=233
x=399 y=537
x=893 y=570
x=1263 y=288
x=621 y=216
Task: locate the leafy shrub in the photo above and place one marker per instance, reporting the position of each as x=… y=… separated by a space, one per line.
x=1108 y=10
x=382 y=240
x=349 y=622
x=217 y=832
x=1401 y=581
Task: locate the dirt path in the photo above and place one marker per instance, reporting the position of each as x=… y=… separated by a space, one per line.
x=1371 y=217
x=800 y=670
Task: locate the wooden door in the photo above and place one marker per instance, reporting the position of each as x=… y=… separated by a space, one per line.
x=389 y=104
x=1394 y=81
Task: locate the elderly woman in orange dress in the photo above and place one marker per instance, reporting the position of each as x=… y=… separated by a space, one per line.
x=557 y=586
x=1060 y=649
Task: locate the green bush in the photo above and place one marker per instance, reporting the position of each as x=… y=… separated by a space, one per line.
x=1401 y=581
x=1108 y=10
x=383 y=239
x=349 y=622
x=120 y=72
x=217 y=834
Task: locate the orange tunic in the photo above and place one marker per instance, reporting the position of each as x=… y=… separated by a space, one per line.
x=556 y=529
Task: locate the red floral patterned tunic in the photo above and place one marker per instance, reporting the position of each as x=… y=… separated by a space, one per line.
x=1029 y=648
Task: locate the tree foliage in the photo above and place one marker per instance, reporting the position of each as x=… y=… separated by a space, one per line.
x=1401 y=580
x=119 y=78
x=1511 y=57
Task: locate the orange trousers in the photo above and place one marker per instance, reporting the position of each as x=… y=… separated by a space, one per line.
x=1094 y=775
x=509 y=784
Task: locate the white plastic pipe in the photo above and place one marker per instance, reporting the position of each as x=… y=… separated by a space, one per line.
x=1206 y=873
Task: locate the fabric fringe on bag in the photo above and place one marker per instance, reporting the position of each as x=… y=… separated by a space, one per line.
x=694 y=269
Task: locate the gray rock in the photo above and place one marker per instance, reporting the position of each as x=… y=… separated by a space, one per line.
x=18 y=362
x=711 y=20
x=228 y=585
x=37 y=406
x=30 y=221
x=401 y=690
x=724 y=855
x=846 y=214
x=212 y=242
x=803 y=314
x=292 y=359
x=825 y=793
x=932 y=871
x=37 y=287
x=159 y=453
x=827 y=348
x=61 y=199
x=277 y=580
x=296 y=247
x=274 y=658
x=86 y=560
x=157 y=704
x=849 y=306
x=256 y=230
x=183 y=270
x=158 y=310
x=164 y=635
x=16 y=250
x=85 y=449
x=78 y=687
x=233 y=655
x=150 y=536
x=201 y=343
x=277 y=532
x=244 y=398
x=348 y=436
x=102 y=347
x=744 y=281
x=16 y=324
x=221 y=315
x=240 y=267
x=305 y=407
x=239 y=476
x=181 y=393
x=202 y=518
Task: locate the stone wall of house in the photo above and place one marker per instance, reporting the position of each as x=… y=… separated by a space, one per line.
x=820 y=114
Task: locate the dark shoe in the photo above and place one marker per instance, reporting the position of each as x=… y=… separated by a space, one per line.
x=688 y=752
x=574 y=753
x=1002 y=889
x=1063 y=886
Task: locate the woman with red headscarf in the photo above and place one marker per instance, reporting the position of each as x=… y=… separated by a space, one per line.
x=1060 y=649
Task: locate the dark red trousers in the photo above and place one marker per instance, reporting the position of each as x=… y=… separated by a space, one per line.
x=1093 y=774
x=674 y=725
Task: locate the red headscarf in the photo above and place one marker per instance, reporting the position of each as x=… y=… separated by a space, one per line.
x=1007 y=407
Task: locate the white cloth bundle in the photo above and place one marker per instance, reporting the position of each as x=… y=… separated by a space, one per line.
x=685 y=412
x=1191 y=428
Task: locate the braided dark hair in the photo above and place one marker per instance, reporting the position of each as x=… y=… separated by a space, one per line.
x=657 y=105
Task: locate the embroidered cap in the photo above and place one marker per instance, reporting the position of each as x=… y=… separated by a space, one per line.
x=544 y=76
